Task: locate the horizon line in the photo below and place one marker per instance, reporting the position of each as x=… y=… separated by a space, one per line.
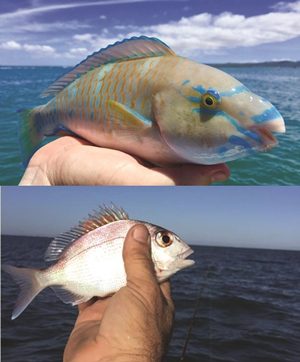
x=209 y=63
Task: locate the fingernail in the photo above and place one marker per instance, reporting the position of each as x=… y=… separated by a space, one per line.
x=141 y=234
x=219 y=176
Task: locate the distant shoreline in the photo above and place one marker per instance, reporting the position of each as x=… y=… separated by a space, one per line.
x=282 y=63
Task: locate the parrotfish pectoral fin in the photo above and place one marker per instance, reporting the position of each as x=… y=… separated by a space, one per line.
x=29 y=283
x=128 y=117
x=127 y=49
x=29 y=136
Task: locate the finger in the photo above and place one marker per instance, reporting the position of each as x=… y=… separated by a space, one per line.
x=166 y=291
x=42 y=167
x=73 y=161
x=137 y=257
x=195 y=174
x=92 y=310
x=83 y=306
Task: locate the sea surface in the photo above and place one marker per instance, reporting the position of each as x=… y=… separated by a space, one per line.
x=20 y=88
x=248 y=307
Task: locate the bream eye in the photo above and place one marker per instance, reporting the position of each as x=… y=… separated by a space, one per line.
x=164 y=239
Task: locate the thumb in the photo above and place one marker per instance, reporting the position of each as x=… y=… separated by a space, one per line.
x=137 y=257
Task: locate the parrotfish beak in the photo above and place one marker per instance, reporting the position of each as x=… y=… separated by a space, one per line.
x=268 y=117
x=258 y=120
x=265 y=122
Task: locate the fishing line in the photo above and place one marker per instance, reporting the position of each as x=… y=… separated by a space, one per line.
x=200 y=291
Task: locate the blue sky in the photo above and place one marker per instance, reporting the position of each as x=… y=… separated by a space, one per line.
x=44 y=32
x=260 y=217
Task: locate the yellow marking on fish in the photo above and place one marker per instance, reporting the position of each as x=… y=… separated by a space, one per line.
x=88 y=97
x=99 y=94
x=117 y=80
x=105 y=100
x=77 y=98
x=96 y=95
x=144 y=85
x=133 y=76
x=122 y=89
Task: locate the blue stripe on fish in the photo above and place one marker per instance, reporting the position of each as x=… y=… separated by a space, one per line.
x=238 y=141
x=222 y=149
x=214 y=93
x=193 y=99
x=268 y=115
x=213 y=112
x=199 y=89
x=234 y=91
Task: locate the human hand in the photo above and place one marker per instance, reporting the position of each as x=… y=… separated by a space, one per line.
x=73 y=161
x=132 y=325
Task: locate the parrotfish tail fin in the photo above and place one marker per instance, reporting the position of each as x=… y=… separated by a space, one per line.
x=29 y=283
x=30 y=137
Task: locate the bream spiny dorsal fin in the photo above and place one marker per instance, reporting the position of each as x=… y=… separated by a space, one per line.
x=133 y=48
x=105 y=215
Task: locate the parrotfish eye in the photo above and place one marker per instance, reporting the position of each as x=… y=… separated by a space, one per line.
x=209 y=101
x=164 y=239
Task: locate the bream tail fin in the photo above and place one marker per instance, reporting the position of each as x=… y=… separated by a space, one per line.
x=29 y=283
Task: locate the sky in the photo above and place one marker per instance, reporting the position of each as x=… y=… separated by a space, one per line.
x=46 y=32
x=255 y=217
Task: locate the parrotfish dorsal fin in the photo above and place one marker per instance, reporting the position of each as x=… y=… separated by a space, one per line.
x=133 y=48
x=105 y=215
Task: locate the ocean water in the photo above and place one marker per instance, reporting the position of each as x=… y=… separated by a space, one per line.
x=249 y=307
x=20 y=88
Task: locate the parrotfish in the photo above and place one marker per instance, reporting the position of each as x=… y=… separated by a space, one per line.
x=87 y=262
x=139 y=97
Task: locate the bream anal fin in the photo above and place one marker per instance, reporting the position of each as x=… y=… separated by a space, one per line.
x=105 y=215
x=68 y=297
x=127 y=49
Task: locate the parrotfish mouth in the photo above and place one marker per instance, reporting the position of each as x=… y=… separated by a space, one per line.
x=266 y=138
x=264 y=131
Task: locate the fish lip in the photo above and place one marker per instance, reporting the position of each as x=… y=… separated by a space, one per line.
x=185 y=254
x=266 y=138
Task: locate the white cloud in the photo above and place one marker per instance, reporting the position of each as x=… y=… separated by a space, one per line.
x=210 y=33
x=36 y=48
x=190 y=36
x=287 y=6
x=102 y=17
x=32 y=48
x=10 y=45
x=87 y=37
x=78 y=51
